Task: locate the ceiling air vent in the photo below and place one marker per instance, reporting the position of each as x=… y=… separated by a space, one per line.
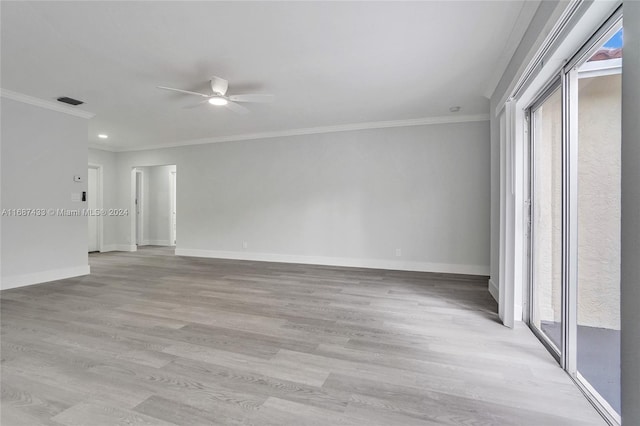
x=70 y=101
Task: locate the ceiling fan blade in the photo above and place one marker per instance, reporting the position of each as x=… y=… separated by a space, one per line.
x=219 y=85
x=182 y=91
x=263 y=98
x=196 y=105
x=236 y=108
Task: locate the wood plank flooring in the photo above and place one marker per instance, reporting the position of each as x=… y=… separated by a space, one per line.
x=153 y=339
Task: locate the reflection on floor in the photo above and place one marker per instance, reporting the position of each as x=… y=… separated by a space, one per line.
x=598 y=358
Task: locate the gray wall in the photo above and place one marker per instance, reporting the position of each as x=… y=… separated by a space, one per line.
x=41 y=152
x=338 y=198
x=630 y=271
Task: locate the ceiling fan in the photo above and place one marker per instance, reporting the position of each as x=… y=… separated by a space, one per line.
x=219 y=96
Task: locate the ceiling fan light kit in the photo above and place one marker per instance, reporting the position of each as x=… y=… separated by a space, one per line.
x=219 y=96
x=218 y=101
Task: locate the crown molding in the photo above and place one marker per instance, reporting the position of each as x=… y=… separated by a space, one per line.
x=26 y=99
x=426 y=121
x=101 y=147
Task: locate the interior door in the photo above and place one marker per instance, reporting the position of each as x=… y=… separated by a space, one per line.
x=92 y=205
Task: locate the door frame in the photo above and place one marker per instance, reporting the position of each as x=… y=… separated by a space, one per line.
x=173 y=203
x=99 y=224
x=570 y=82
x=137 y=204
x=99 y=179
x=133 y=237
x=568 y=75
x=530 y=229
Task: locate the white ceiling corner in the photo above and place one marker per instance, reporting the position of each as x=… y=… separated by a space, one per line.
x=520 y=26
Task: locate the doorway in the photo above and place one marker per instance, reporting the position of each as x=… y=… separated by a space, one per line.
x=138 y=196
x=173 y=186
x=154 y=195
x=94 y=204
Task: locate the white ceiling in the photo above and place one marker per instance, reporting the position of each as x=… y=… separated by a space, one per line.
x=327 y=63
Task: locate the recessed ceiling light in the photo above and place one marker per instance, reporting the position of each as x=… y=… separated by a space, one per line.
x=217 y=101
x=103 y=136
x=454 y=109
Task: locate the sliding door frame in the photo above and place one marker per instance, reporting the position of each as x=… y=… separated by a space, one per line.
x=570 y=83
x=550 y=89
x=567 y=81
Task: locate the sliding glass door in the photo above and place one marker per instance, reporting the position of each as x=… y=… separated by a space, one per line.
x=546 y=192
x=597 y=327
x=575 y=146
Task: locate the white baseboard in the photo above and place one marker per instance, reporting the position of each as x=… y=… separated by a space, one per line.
x=157 y=243
x=24 y=280
x=494 y=290
x=118 y=247
x=396 y=265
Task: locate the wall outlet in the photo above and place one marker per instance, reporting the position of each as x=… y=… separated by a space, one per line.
x=398 y=252
x=245 y=245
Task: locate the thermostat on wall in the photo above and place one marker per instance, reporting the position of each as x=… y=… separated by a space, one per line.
x=77 y=178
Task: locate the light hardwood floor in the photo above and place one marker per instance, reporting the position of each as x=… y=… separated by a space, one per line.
x=150 y=338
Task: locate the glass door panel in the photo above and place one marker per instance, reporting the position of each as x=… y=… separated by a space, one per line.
x=598 y=212
x=546 y=151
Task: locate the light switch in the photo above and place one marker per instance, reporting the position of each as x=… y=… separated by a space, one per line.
x=77 y=178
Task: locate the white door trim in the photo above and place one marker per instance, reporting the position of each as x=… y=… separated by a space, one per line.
x=133 y=210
